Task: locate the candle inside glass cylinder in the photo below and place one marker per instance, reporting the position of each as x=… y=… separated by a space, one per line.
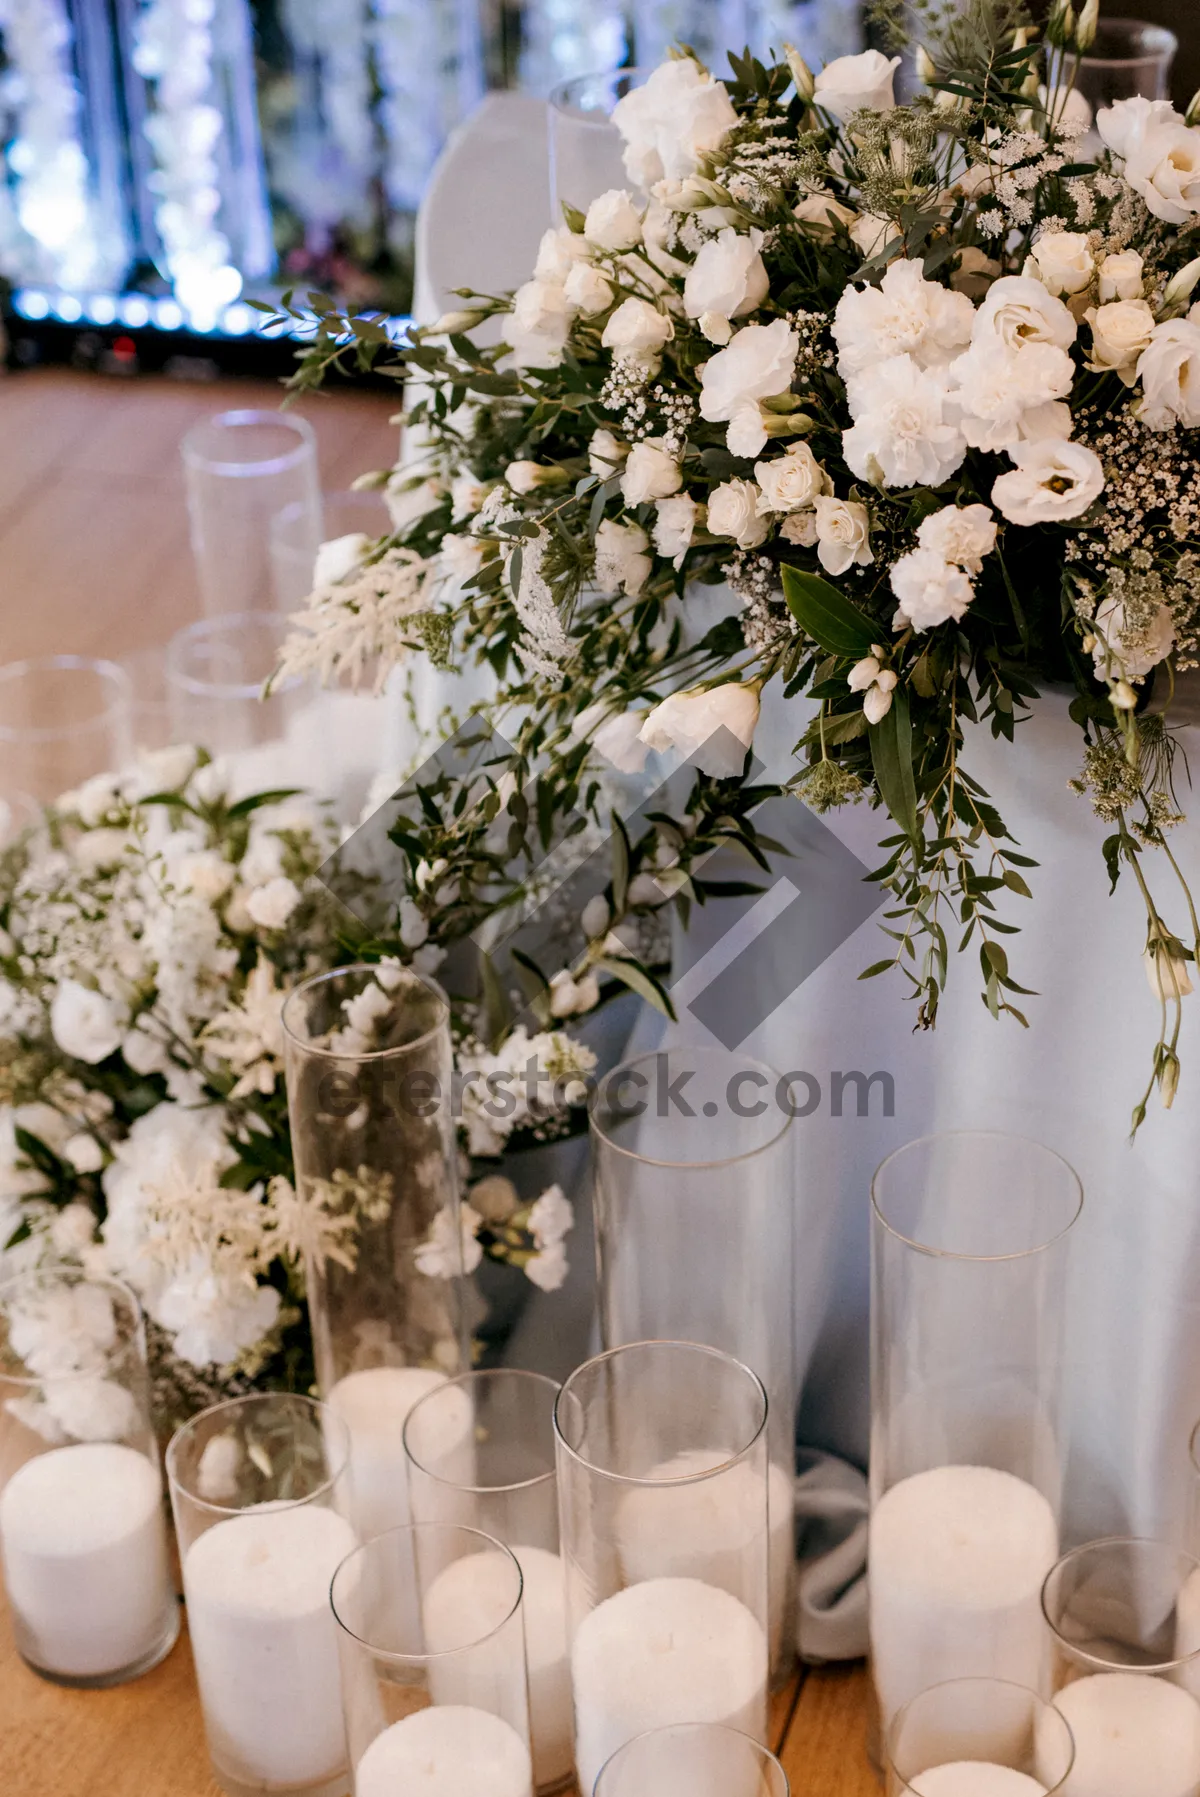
x=374 y=1404
x=85 y=1559
x=975 y=1778
x=956 y=1563
x=666 y=1650
x=1135 y=1736
x=452 y=1750
x=265 y=1643
x=462 y=1602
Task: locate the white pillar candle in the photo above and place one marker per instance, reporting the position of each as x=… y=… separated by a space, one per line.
x=461 y=1604
x=1135 y=1736
x=957 y=1559
x=975 y=1778
x=664 y=1651
x=374 y=1404
x=706 y=1530
x=265 y=1642
x=448 y=1751
x=85 y=1558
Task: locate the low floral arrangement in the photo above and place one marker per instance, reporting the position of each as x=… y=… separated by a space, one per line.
x=919 y=382
x=150 y=930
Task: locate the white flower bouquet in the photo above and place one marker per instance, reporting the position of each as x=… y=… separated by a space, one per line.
x=919 y=382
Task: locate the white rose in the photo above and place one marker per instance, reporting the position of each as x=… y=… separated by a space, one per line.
x=674 y=527
x=339 y=558
x=822 y=213
x=143 y=1050
x=713 y=727
x=902 y=435
x=906 y=315
x=997 y=388
x=540 y=324
x=1165 y=170
x=271 y=905
x=853 y=83
x=1119 y=276
x=962 y=534
x=733 y=512
x=1018 y=310
x=728 y=276
x=1117 y=656
x=1052 y=481
x=1169 y=370
x=1167 y=975
x=86 y=1025
x=637 y=330
x=606 y=454
x=650 y=473
x=792 y=481
x=843 y=533
x=674 y=118
x=1124 y=124
x=613 y=222
x=558 y=252
x=799 y=528
x=930 y=590
x=587 y=290
x=163 y=770
x=621 y=559
x=871 y=234
x=1122 y=331
x=757 y=364
x=1061 y=261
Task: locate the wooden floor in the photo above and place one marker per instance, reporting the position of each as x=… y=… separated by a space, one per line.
x=94 y=559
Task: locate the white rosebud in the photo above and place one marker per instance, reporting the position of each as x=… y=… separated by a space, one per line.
x=1181 y=286
x=1119 y=277
x=843 y=533
x=802 y=75
x=791 y=482
x=540 y=324
x=558 y=252
x=646 y=890
x=613 y=222
x=877 y=701
x=1085 y=30
x=587 y=290
x=733 y=511
x=606 y=454
x=1061 y=261
x=650 y=473
x=1122 y=331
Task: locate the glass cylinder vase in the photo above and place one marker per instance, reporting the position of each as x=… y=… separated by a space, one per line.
x=83 y=1537
x=1127 y=57
x=586 y=151
x=1124 y=1619
x=241 y=470
x=979 y=1737
x=662 y=1490
x=369 y=1098
x=693 y=1759
x=719 y=1171
x=63 y=718
x=968 y=1270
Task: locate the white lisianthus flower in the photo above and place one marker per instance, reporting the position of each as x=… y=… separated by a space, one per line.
x=799 y=528
x=902 y=435
x=757 y=364
x=86 y=1025
x=271 y=905
x=638 y=330
x=1018 y=310
x=560 y=249
x=613 y=222
x=1123 y=125
x=872 y=234
x=1061 y=261
x=791 y=482
x=587 y=291
x=996 y=389
x=614 y=735
x=733 y=511
x=339 y=558
x=540 y=324
x=1164 y=170
x=876 y=684
x=712 y=726
x=962 y=534
x=1169 y=371
x=1052 y=481
x=856 y=83
x=621 y=560
x=843 y=533
x=650 y=473
x=929 y=589
x=606 y=454
x=728 y=276
x=526 y=477
x=671 y=121
x=906 y=315
x=822 y=212
x=1118 y=653
x=1122 y=330
x=674 y=527
x=1167 y=975
x=1119 y=276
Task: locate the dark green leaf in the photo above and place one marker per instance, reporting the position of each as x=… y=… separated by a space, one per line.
x=827 y=615
x=891 y=757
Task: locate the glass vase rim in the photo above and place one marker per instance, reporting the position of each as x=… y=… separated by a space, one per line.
x=412 y=1529
x=650 y=1160
x=948 y=1684
x=557 y=99
x=1194 y=1448
x=79 y=1276
x=1164 y=40
x=680 y=1480
x=1081 y=1655
x=119 y=697
x=979 y=1135
x=198 y=630
x=765 y=1755
x=308 y=1047
x=240 y=417
x=461 y=1379
x=323 y=1413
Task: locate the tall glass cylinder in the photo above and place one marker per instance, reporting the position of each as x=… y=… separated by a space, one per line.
x=694 y=1147
x=586 y=151
x=481 y=1453
x=693 y=1759
x=216 y=670
x=662 y=1490
x=969 y=1248
x=83 y=1537
x=369 y=1097
x=1124 y=1619
x=433 y=1667
x=242 y=469
x=1127 y=57
x=63 y=718
x=979 y=1737
x=259 y=1490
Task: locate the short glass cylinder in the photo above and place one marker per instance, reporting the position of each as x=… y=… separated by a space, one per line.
x=259 y=1489
x=1128 y=57
x=241 y=470
x=722 y=1173
x=1124 y=1618
x=370 y=1104
x=429 y=1625
x=979 y=1737
x=586 y=157
x=481 y=1453
x=215 y=674
x=693 y=1759
x=63 y=718
x=82 y=1526
x=968 y=1274
x=662 y=1486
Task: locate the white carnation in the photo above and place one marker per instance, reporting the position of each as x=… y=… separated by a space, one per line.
x=1052 y=481
x=843 y=533
x=929 y=589
x=962 y=534
x=271 y=905
x=733 y=511
x=904 y=315
x=903 y=435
